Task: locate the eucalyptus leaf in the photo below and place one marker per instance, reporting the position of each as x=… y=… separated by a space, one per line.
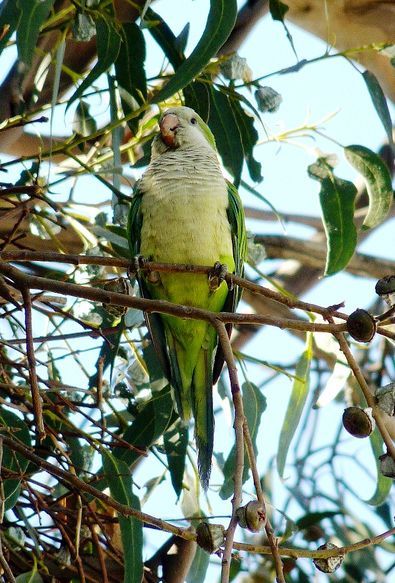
x=130 y=71
x=379 y=101
x=33 y=14
x=378 y=183
x=149 y=425
x=383 y=484
x=297 y=401
x=337 y=199
x=220 y=23
x=254 y=404
x=119 y=481
x=108 y=42
x=176 y=442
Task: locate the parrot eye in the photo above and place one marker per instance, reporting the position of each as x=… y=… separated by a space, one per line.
x=193 y=120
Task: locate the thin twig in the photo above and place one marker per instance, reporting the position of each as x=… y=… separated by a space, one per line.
x=352 y=363
x=36 y=398
x=257 y=484
x=239 y=421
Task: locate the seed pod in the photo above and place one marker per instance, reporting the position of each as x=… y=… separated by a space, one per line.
x=251 y=516
x=385 y=397
x=387 y=466
x=268 y=99
x=330 y=564
x=385 y=288
x=119 y=285
x=210 y=536
x=358 y=422
x=361 y=325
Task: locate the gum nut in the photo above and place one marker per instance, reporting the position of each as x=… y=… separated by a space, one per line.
x=330 y=564
x=385 y=397
x=361 y=325
x=210 y=536
x=358 y=422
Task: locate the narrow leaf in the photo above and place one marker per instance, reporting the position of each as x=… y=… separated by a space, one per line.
x=130 y=71
x=379 y=102
x=198 y=570
x=33 y=15
x=384 y=484
x=9 y=17
x=249 y=137
x=30 y=577
x=120 y=483
x=220 y=23
x=108 y=42
x=165 y=38
x=337 y=199
x=223 y=124
x=150 y=424
x=296 y=405
x=176 y=441
x=254 y=404
x=378 y=183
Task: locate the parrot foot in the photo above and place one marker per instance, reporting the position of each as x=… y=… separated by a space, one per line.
x=217 y=275
x=140 y=263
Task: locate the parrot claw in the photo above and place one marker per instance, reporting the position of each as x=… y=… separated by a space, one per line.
x=217 y=275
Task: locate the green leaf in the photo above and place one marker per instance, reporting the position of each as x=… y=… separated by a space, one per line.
x=227 y=135
x=150 y=424
x=378 y=183
x=379 y=102
x=176 y=442
x=314 y=518
x=296 y=404
x=278 y=10
x=108 y=42
x=384 y=484
x=198 y=569
x=33 y=15
x=220 y=23
x=254 y=404
x=30 y=577
x=12 y=461
x=9 y=17
x=130 y=71
x=337 y=198
x=197 y=96
x=249 y=137
x=120 y=483
x=165 y=38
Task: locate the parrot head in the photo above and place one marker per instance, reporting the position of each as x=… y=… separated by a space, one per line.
x=182 y=128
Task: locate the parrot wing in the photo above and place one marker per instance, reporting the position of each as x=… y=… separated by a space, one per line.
x=239 y=240
x=153 y=321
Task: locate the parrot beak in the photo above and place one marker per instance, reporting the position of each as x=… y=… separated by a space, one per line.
x=168 y=127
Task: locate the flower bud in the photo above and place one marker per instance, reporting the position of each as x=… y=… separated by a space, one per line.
x=268 y=99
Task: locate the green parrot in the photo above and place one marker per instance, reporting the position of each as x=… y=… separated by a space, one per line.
x=184 y=211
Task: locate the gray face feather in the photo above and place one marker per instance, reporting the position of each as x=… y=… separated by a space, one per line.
x=186 y=131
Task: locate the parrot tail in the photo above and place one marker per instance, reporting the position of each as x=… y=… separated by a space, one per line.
x=202 y=407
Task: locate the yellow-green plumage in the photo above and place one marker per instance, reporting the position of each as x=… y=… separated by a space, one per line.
x=181 y=215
